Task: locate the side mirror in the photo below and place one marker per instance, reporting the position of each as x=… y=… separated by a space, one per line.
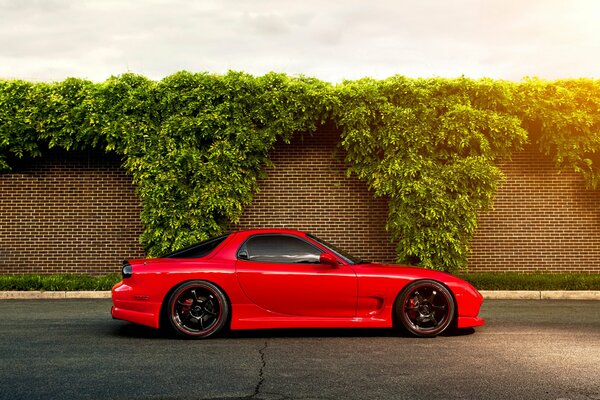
x=328 y=259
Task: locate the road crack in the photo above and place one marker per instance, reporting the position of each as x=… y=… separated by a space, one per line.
x=261 y=373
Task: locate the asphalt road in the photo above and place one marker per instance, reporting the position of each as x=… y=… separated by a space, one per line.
x=72 y=349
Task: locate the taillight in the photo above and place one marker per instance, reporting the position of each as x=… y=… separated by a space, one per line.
x=126 y=271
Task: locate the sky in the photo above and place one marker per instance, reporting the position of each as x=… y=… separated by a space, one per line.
x=50 y=40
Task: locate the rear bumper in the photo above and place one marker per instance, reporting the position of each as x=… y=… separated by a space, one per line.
x=132 y=307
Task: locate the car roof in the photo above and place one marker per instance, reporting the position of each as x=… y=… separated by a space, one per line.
x=281 y=231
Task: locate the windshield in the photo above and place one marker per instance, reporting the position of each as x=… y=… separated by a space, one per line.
x=350 y=259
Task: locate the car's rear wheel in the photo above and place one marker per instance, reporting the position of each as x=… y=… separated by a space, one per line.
x=198 y=309
x=425 y=308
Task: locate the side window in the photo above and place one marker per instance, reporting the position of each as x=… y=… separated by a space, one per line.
x=279 y=249
x=199 y=250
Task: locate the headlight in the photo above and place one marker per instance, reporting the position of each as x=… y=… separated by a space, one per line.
x=127 y=271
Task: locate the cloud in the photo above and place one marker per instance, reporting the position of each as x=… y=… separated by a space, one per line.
x=53 y=39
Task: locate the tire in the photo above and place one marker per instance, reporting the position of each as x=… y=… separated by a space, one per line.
x=197 y=309
x=425 y=308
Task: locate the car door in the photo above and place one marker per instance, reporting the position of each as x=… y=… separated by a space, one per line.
x=282 y=274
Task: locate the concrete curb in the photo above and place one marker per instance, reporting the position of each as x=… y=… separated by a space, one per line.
x=36 y=294
x=487 y=294
x=541 y=295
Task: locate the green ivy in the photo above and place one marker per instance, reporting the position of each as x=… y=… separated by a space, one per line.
x=564 y=117
x=196 y=144
x=200 y=167
x=18 y=134
x=429 y=146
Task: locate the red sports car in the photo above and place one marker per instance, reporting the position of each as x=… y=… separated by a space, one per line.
x=275 y=278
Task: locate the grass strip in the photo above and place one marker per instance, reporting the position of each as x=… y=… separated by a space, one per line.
x=482 y=281
x=518 y=281
x=58 y=282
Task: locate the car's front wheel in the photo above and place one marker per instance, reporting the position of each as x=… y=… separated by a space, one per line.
x=425 y=308
x=197 y=309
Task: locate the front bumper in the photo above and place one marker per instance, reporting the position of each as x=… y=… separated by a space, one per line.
x=469 y=322
x=469 y=302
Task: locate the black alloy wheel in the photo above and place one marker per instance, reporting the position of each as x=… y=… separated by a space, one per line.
x=425 y=308
x=198 y=309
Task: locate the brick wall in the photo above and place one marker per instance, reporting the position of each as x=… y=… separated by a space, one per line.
x=541 y=221
x=308 y=190
x=77 y=212
x=67 y=213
